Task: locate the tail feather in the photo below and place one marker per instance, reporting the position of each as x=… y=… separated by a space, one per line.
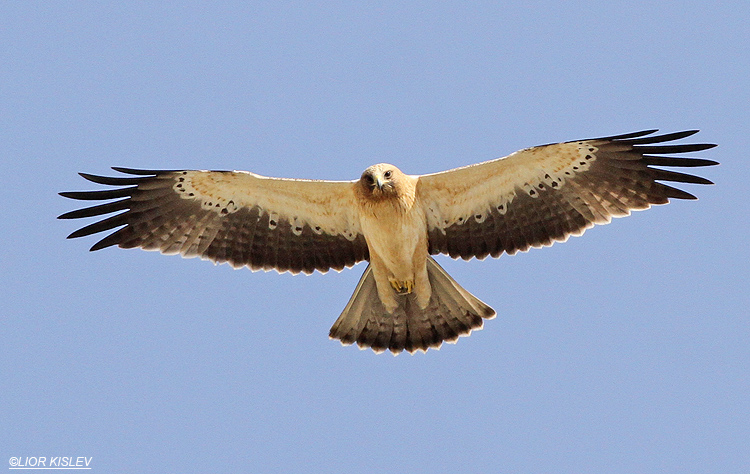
x=400 y=334
x=348 y=330
x=452 y=312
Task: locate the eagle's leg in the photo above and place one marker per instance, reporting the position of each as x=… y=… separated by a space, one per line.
x=382 y=282
x=402 y=287
x=420 y=287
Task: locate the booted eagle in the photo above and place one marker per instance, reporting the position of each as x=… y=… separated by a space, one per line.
x=404 y=300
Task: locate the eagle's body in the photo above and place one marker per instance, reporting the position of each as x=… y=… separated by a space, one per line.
x=395 y=227
x=395 y=221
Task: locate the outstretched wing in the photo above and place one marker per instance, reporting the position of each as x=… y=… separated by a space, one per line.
x=544 y=194
x=229 y=216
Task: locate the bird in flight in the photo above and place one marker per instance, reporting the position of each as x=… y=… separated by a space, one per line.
x=404 y=300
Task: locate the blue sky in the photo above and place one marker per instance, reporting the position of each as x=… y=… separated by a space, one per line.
x=625 y=350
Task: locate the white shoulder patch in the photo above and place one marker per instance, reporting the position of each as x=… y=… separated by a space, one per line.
x=210 y=201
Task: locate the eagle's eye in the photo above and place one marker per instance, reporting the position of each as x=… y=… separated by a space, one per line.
x=387 y=174
x=369 y=178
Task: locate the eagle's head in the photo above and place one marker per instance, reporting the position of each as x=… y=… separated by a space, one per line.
x=381 y=181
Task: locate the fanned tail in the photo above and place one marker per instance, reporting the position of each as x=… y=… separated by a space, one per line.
x=452 y=312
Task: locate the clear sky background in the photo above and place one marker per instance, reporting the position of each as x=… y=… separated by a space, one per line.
x=625 y=350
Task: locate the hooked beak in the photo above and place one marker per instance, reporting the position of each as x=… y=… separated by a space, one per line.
x=379 y=182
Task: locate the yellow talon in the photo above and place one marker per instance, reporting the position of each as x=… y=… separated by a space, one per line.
x=402 y=287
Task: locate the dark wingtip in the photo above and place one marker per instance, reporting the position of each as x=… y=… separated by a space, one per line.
x=675 y=193
x=100 y=245
x=627 y=136
x=702 y=162
x=136 y=171
x=78 y=233
x=647 y=137
x=678 y=162
x=142 y=172
x=667 y=137
x=97 y=210
x=110 y=180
